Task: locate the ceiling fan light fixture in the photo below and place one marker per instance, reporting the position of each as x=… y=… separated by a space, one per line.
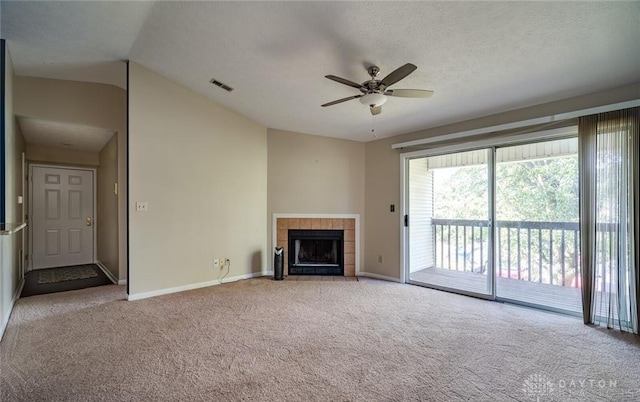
x=375 y=92
x=373 y=99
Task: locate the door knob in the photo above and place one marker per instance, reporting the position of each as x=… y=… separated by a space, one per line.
x=89 y=221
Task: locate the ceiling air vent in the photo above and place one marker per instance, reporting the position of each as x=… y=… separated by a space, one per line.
x=221 y=85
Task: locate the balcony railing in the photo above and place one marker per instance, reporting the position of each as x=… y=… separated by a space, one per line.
x=543 y=252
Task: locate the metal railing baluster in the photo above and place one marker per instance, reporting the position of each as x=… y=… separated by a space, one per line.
x=441 y=246
x=481 y=250
x=456 y=247
x=562 y=258
x=508 y=252
x=529 y=254
x=465 y=228
x=540 y=255
x=464 y=245
x=472 y=248
x=499 y=259
x=519 y=256
x=576 y=269
x=449 y=246
x=551 y=256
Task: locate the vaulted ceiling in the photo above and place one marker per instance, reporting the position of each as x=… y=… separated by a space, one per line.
x=480 y=58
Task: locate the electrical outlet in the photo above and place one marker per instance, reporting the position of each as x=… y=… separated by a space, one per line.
x=216 y=263
x=222 y=264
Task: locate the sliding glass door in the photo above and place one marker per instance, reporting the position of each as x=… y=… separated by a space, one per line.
x=530 y=255
x=449 y=239
x=537 y=229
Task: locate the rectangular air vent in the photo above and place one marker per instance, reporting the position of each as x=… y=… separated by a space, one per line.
x=221 y=85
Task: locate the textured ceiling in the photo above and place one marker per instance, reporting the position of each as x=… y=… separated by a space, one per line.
x=479 y=57
x=63 y=135
x=86 y=41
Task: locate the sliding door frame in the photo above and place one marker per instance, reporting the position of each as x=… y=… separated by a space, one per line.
x=490 y=145
x=404 y=232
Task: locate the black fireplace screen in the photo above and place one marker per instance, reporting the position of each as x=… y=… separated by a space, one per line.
x=322 y=251
x=316 y=252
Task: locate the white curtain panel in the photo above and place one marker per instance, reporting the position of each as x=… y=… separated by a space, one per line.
x=609 y=218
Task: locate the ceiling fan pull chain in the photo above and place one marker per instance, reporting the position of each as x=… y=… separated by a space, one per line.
x=373 y=127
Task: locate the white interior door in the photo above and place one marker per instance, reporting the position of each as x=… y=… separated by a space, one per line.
x=62 y=211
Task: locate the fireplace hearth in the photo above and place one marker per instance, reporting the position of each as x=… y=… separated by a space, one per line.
x=316 y=252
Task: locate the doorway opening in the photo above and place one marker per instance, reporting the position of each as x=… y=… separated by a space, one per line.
x=62 y=235
x=497 y=223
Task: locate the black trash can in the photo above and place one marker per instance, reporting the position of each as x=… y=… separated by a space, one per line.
x=278 y=264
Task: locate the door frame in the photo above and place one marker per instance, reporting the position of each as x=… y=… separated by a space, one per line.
x=94 y=172
x=405 y=276
x=492 y=144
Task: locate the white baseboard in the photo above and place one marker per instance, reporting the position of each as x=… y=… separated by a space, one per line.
x=360 y=273
x=381 y=277
x=244 y=276
x=15 y=297
x=122 y=282
x=106 y=271
x=192 y=286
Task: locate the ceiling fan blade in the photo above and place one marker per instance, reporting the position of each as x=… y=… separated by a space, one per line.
x=398 y=74
x=409 y=93
x=335 y=102
x=375 y=110
x=343 y=81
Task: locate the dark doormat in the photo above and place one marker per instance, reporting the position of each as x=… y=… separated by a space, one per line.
x=62 y=279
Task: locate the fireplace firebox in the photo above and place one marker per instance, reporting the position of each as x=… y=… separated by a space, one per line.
x=316 y=252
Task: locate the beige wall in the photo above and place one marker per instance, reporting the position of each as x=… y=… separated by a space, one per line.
x=37 y=153
x=382 y=229
x=10 y=245
x=314 y=175
x=203 y=171
x=107 y=214
x=89 y=104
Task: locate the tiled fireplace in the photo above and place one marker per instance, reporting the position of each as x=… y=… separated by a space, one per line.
x=325 y=227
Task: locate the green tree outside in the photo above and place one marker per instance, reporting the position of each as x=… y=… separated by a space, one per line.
x=542 y=190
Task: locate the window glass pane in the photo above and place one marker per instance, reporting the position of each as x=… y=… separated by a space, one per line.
x=537 y=230
x=448 y=229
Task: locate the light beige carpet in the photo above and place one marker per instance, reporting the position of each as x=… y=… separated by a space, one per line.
x=260 y=340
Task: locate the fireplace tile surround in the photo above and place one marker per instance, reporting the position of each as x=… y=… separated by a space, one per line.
x=283 y=224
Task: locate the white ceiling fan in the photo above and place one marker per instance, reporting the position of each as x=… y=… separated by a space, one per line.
x=375 y=92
